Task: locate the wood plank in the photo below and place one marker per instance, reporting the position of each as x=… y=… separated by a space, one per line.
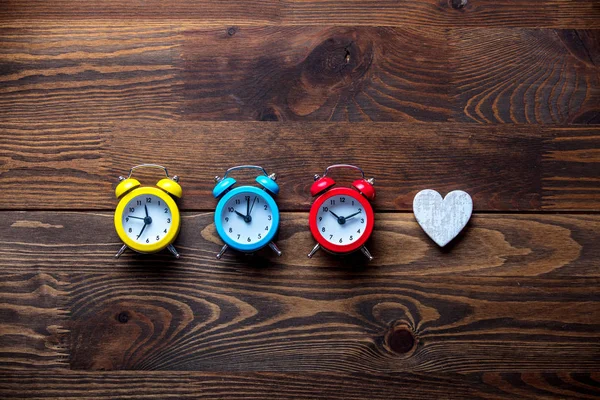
x=317 y=73
x=393 y=74
x=527 y=76
x=506 y=168
x=34 y=316
x=463 y=13
x=87 y=74
x=164 y=319
x=491 y=245
x=223 y=385
x=417 y=13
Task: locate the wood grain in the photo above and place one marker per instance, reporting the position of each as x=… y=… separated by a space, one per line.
x=556 y=78
x=506 y=168
x=429 y=13
x=161 y=319
x=34 y=317
x=85 y=75
x=491 y=245
x=57 y=74
x=316 y=73
x=222 y=385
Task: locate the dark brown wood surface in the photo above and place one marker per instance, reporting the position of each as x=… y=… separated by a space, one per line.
x=498 y=98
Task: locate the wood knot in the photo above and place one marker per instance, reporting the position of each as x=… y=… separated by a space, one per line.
x=232 y=30
x=458 y=4
x=123 y=317
x=269 y=114
x=336 y=60
x=401 y=340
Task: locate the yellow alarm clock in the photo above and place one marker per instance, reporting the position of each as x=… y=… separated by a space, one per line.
x=147 y=218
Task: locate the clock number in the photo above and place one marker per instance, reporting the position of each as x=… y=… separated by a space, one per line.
x=330 y=237
x=342 y=199
x=127 y=219
x=358 y=231
x=267 y=228
x=230 y=230
x=265 y=207
x=237 y=201
x=148 y=240
x=340 y=240
x=157 y=237
x=259 y=236
x=247 y=198
x=131 y=209
x=230 y=209
x=332 y=202
x=165 y=231
x=360 y=210
x=226 y=219
x=139 y=202
x=148 y=199
x=239 y=235
x=351 y=238
x=352 y=202
x=323 y=229
x=130 y=230
x=159 y=202
x=362 y=220
x=166 y=210
x=268 y=218
x=168 y=220
x=249 y=239
x=325 y=209
x=320 y=219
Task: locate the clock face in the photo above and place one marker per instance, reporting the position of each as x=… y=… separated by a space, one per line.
x=147 y=219
x=247 y=218
x=341 y=220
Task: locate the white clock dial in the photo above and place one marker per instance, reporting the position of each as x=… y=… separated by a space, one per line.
x=247 y=218
x=341 y=220
x=147 y=219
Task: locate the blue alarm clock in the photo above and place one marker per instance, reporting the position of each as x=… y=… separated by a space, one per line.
x=247 y=217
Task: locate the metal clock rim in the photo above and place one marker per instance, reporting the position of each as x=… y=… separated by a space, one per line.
x=153 y=247
x=244 y=248
x=334 y=248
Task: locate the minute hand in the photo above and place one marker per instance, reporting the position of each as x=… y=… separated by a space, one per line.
x=352 y=215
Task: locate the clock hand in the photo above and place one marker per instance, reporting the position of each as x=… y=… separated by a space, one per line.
x=247 y=218
x=251 y=208
x=340 y=220
x=131 y=216
x=146 y=208
x=248 y=205
x=352 y=215
x=239 y=213
x=142 y=231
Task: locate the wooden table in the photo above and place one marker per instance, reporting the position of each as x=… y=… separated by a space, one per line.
x=497 y=98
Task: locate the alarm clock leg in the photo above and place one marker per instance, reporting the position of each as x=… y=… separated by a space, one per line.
x=121 y=251
x=366 y=253
x=314 y=250
x=274 y=247
x=173 y=250
x=223 y=250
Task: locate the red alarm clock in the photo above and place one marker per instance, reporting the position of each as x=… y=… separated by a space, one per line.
x=341 y=219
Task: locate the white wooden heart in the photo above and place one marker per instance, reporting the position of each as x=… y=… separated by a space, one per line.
x=442 y=219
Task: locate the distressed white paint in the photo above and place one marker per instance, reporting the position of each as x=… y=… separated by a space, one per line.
x=442 y=219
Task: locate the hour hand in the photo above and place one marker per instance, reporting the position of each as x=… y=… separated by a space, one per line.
x=240 y=214
x=334 y=214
